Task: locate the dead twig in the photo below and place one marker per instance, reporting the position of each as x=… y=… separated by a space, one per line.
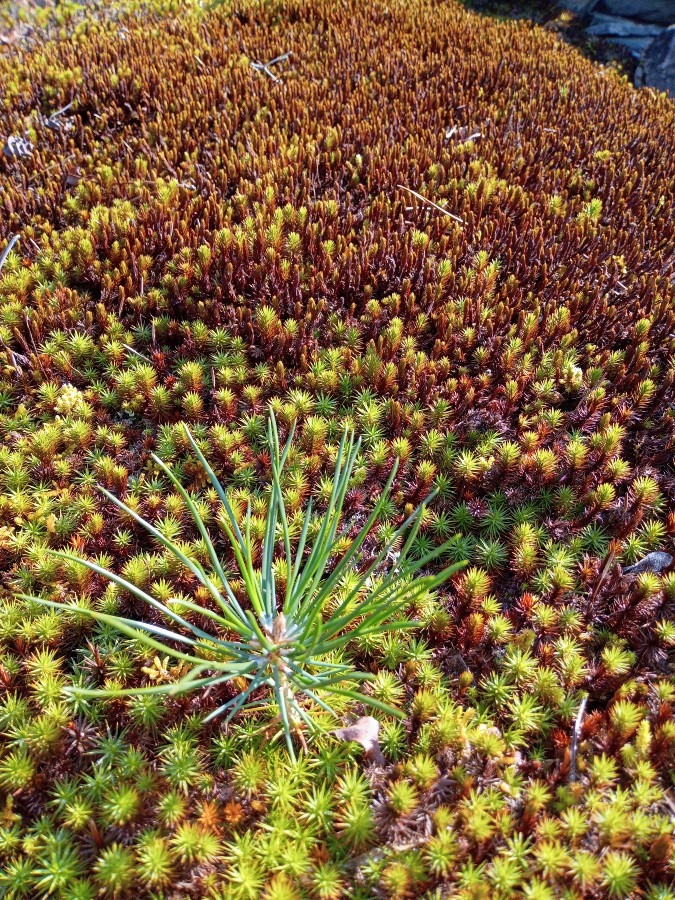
x=264 y=67
x=261 y=67
x=136 y=353
x=12 y=356
x=8 y=249
x=578 y=724
x=278 y=59
x=462 y=133
x=51 y=121
x=607 y=565
x=431 y=203
x=670 y=803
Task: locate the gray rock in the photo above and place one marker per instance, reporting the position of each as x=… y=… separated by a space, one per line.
x=580 y=7
x=662 y=12
x=635 y=46
x=634 y=36
x=657 y=66
x=652 y=562
x=618 y=27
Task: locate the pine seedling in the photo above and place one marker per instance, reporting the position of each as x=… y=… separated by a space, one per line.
x=284 y=636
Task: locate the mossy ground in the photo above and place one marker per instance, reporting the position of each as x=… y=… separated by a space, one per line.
x=201 y=238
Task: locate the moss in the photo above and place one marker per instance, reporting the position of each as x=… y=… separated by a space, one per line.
x=201 y=239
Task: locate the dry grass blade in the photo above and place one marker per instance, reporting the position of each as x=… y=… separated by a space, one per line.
x=431 y=203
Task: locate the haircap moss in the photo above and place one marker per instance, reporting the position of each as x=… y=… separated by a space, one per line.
x=449 y=233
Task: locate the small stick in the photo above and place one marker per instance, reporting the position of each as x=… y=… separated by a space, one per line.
x=578 y=722
x=261 y=67
x=13 y=358
x=264 y=67
x=52 y=122
x=34 y=345
x=431 y=202
x=135 y=352
x=8 y=249
x=278 y=59
x=60 y=112
x=301 y=738
x=609 y=561
x=670 y=803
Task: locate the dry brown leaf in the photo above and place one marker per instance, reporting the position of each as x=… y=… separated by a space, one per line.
x=364 y=731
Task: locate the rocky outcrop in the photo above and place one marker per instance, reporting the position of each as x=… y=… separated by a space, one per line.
x=646 y=28
x=657 y=66
x=635 y=36
x=656 y=12
x=659 y=12
x=579 y=6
